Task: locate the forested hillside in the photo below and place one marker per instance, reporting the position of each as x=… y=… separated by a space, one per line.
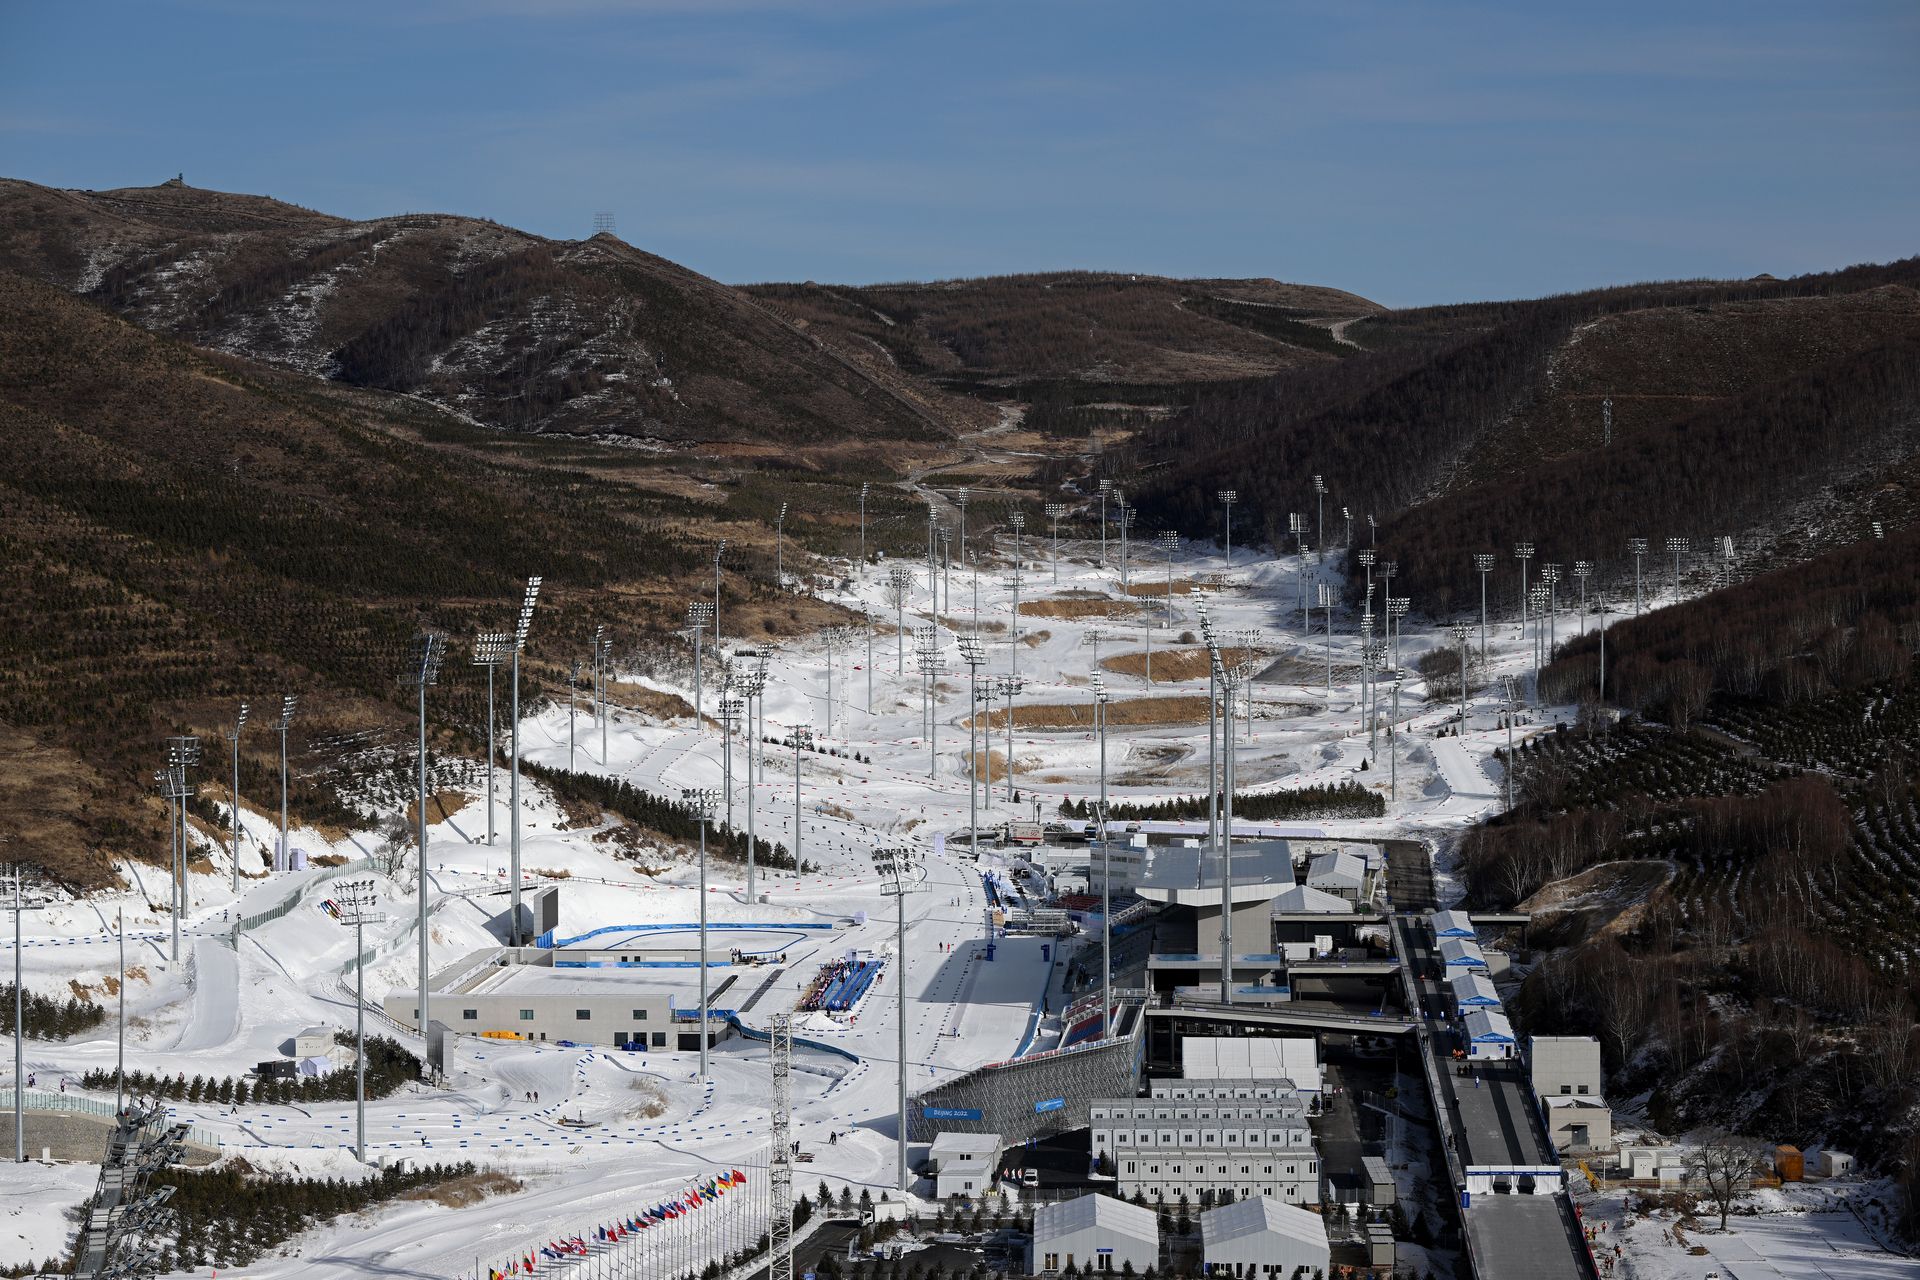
x=1467 y=428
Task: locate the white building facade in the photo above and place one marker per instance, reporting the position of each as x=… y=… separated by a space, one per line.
x=1093 y=1233
x=1263 y=1239
x=1165 y=1148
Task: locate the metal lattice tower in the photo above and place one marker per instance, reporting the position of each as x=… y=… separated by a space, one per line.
x=780 y=1164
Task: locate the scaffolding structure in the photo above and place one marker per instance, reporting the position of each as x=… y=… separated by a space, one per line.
x=780 y=1162
x=124 y=1217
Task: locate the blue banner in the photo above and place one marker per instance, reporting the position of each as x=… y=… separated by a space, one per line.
x=1050 y=1104
x=950 y=1113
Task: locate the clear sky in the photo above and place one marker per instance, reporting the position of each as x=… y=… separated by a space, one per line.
x=1411 y=152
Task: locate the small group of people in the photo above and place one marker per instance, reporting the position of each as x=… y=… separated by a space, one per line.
x=533 y=1095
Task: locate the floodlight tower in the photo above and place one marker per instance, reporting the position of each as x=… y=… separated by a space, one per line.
x=699 y=802
x=284 y=858
x=780 y=547
x=423 y=670
x=1373 y=532
x=1726 y=561
x=356 y=901
x=1346 y=513
x=1018 y=521
x=1106 y=487
x=1369 y=691
x=1484 y=562
x=1125 y=519
x=606 y=687
x=719 y=560
x=1461 y=631
x=520 y=627
x=1582 y=570
x=1146 y=624
x=923 y=643
x=1677 y=547
x=755 y=689
x=930 y=668
x=1100 y=698
x=1320 y=499
x=1537 y=597
x=490 y=649
x=1601 y=610
x=1093 y=637
x=780 y=1157
x=961 y=499
x=1523 y=553
x=1055 y=510
x=899 y=587
x=1510 y=704
x=802 y=741
x=731 y=709
x=699 y=618
x=1008 y=688
x=1366 y=557
x=1637 y=548
x=14 y=880
x=1247 y=640
x=863 y=530
x=183 y=752
x=599 y=683
x=896 y=865
x=1550 y=574
x=1169 y=543
x=933 y=556
x=1397 y=609
x=1327 y=596
x=973 y=653
x=233 y=755
x=1227 y=498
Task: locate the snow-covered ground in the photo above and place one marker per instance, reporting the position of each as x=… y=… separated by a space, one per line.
x=644 y=1124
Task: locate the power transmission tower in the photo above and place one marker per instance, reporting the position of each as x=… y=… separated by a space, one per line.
x=780 y=1165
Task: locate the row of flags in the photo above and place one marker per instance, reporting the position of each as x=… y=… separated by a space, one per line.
x=558 y=1252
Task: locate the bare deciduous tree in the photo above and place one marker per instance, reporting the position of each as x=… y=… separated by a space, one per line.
x=1722 y=1165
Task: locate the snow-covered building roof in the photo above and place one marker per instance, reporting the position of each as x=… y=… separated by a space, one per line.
x=1251 y=1058
x=1451 y=924
x=1337 y=871
x=1259 y=1216
x=1488 y=1026
x=1307 y=900
x=1103 y=1213
x=1474 y=988
x=1461 y=953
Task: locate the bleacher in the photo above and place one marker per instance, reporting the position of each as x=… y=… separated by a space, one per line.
x=839 y=985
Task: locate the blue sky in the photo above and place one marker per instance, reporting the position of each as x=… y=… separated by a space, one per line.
x=1413 y=153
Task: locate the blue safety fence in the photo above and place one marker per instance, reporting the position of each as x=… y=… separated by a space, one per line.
x=820 y=1045
x=549 y=941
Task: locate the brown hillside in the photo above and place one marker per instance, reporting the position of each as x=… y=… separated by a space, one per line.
x=588 y=337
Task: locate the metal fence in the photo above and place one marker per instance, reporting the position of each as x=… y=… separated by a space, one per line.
x=295 y=896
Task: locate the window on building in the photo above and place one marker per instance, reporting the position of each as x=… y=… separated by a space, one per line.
x=583 y=1015
x=1567 y=1088
x=1053 y=1262
x=526 y=1015
x=469 y=1015
x=1585 y=1089
x=659 y=1039
x=639 y=1015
